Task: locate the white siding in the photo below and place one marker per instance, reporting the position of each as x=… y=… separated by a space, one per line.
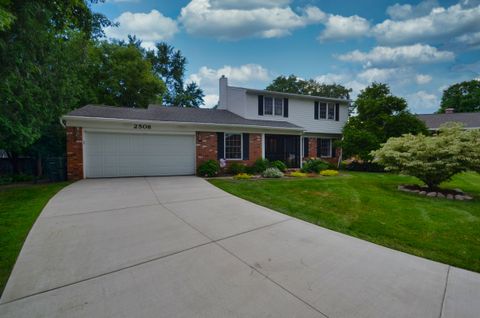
x=300 y=113
x=236 y=100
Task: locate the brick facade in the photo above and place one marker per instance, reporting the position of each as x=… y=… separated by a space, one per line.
x=312 y=151
x=74 y=153
x=206 y=147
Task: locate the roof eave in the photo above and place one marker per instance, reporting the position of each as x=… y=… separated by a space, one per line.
x=310 y=97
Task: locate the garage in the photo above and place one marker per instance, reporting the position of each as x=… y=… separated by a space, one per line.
x=137 y=154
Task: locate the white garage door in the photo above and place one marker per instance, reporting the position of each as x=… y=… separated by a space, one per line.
x=122 y=155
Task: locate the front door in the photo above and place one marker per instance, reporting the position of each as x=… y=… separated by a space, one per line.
x=285 y=148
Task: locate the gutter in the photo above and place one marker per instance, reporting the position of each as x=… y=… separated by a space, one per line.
x=310 y=97
x=104 y=119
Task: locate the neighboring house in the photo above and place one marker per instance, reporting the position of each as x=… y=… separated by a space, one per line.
x=105 y=141
x=434 y=121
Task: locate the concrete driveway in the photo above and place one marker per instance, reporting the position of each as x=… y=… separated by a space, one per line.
x=179 y=247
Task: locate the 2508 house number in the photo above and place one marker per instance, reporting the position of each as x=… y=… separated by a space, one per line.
x=142 y=126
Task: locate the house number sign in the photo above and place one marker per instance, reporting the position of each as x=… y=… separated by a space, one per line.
x=142 y=126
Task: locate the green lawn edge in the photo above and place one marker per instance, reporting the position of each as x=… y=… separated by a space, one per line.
x=20 y=205
x=369 y=206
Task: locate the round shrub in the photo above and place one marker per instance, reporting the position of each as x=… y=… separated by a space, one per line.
x=236 y=168
x=260 y=165
x=298 y=174
x=272 y=173
x=242 y=176
x=329 y=173
x=314 y=165
x=209 y=168
x=279 y=165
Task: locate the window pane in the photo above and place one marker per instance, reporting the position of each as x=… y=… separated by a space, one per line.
x=278 y=106
x=268 y=106
x=331 y=111
x=323 y=110
x=233 y=146
x=325 y=147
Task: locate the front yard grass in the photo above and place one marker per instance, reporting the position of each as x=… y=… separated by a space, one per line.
x=19 y=208
x=369 y=206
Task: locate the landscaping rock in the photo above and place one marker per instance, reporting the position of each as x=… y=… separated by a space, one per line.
x=467 y=197
x=459 y=197
x=450 y=196
x=431 y=194
x=422 y=192
x=440 y=195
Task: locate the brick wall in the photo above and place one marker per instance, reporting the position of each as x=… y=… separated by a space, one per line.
x=312 y=151
x=74 y=153
x=206 y=144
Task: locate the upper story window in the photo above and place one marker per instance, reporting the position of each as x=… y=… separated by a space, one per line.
x=278 y=106
x=268 y=106
x=327 y=111
x=233 y=146
x=273 y=106
x=331 y=111
x=323 y=110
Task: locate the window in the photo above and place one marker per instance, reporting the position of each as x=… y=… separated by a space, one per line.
x=331 y=111
x=323 y=110
x=233 y=146
x=278 y=106
x=325 y=148
x=268 y=106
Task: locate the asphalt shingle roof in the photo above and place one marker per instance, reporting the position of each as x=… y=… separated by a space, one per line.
x=434 y=121
x=176 y=114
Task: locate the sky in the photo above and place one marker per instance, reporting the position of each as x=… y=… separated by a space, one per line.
x=419 y=48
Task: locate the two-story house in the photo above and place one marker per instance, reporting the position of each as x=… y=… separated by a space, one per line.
x=248 y=124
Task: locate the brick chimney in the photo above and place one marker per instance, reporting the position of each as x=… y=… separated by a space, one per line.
x=449 y=110
x=222 y=92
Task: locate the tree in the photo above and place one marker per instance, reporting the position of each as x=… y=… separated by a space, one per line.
x=380 y=115
x=123 y=76
x=295 y=85
x=42 y=52
x=432 y=159
x=462 y=97
x=169 y=65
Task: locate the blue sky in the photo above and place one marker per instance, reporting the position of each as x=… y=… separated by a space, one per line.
x=418 y=47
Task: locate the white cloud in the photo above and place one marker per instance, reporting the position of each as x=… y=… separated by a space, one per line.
x=407 y=11
x=438 y=26
x=235 y=20
x=149 y=27
x=401 y=55
x=423 y=101
x=243 y=75
x=422 y=79
x=340 y=28
x=377 y=74
x=470 y=39
x=332 y=78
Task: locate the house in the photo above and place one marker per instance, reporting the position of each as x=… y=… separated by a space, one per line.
x=434 y=121
x=248 y=124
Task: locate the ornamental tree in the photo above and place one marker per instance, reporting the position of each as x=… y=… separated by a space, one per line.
x=432 y=159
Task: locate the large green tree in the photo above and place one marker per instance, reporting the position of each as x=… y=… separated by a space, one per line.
x=122 y=76
x=169 y=65
x=379 y=116
x=295 y=85
x=42 y=54
x=462 y=97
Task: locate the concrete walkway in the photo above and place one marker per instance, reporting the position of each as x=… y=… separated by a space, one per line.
x=179 y=247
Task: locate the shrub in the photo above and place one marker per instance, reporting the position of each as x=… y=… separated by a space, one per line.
x=243 y=176
x=279 y=165
x=250 y=170
x=432 y=159
x=314 y=165
x=260 y=165
x=209 y=168
x=236 y=168
x=364 y=166
x=298 y=174
x=329 y=173
x=272 y=173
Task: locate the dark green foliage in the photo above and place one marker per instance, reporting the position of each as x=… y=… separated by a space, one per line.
x=209 y=168
x=462 y=97
x=315 y=166
x=236 y=168
x=364 y=166
x=380 y=115
x=279 y=165
x=295 y=85
x=260 y=165
x=169 y=65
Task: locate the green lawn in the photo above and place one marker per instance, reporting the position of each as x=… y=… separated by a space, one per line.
x=19 y=208
x=369 y=206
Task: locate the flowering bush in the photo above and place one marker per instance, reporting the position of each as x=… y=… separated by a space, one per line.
x=329 y=173
x=298 y=174
x=272 y=173
x=243 y=176
x=432 y=159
